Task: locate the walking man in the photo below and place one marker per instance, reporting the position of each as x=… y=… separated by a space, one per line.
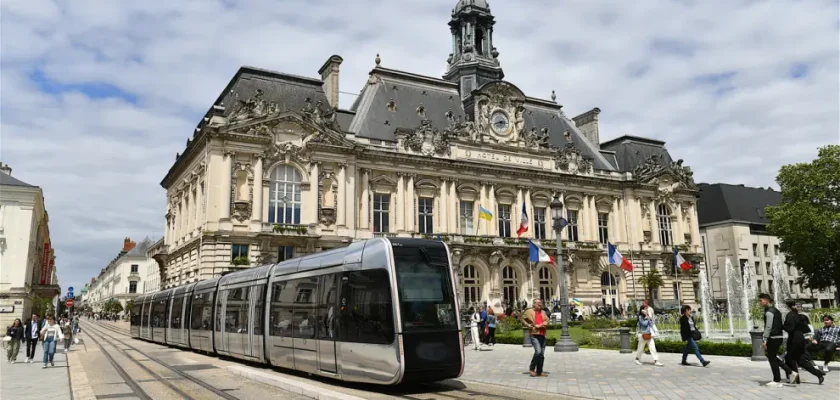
x=773 y=340
x=31 y=333
x=536 y=320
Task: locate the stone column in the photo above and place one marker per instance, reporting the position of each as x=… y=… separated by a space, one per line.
x=616 y=227
x=695 y=229
x=314 y=188
x=654 y=224
x=633 y=214
x=454 y=207
x=257 y=195
x=400 y=222
x=583 y=219
x=530 y=209
x=516 y=211
x=364 y=214
x=350 y=194
x=227 y=168
x=563 y=233
x=411 y=215
x=340 y=207
x=443 y=215
x=199 y=205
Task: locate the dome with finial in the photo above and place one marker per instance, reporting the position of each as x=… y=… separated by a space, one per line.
x=482 y=4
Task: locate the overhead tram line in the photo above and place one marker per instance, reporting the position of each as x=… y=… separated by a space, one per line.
x=378 y=311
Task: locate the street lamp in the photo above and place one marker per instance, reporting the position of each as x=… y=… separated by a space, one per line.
x=565 y=344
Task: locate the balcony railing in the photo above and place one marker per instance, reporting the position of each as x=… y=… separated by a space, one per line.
x=288 y=229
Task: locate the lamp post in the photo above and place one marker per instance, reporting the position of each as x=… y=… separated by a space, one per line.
x=565 y=344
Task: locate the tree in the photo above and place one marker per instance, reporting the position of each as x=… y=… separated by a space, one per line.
x=41 y=306
x=112 y=306
x=129 y=306
x=807 y=221
x=651 y=280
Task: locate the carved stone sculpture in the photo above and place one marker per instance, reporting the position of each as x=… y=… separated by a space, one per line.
x=254 y=107
x=570 y=159
x=241 y=210
x=427 y=140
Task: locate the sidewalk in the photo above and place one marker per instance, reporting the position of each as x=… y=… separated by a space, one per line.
x=606 y=374
x=30 y=381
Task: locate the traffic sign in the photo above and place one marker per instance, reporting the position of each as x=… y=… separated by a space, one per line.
x=70 y=295
x=70 y=289
x=69 y=303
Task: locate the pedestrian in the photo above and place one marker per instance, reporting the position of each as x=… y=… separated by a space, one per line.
x=475 y=318
x=482 y=325
x=15 y=335
x=536 y=320
x=773 y=340
x=31 y=332
x=76 y=324
x=827 y=339
x=690 y=335
x=796 y=327
x=645 y=329
x=51 y=333
x=67 y=331
x=491 y=326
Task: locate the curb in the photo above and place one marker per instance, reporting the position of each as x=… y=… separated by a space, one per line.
x=79 y=384
x=290 y=385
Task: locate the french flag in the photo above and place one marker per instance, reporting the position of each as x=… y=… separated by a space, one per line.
x=536 y=254
x=680 y=261
x=523 y=225
x=617 y=259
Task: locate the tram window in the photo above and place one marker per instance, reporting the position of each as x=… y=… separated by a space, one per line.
x=135 y=314
x=366 y=307
x=196 y=308
x=304 y=321
x=425 y=288
x=236 y=311
x=147 y=311
x=159 y=314
x=259 y=300
x=280 y=319
x=219 y=316
x=326 y=307
x=177 y=307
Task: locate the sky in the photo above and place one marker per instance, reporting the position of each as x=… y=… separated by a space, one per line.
x=96 y=98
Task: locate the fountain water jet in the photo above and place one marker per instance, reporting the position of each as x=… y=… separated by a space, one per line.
x=781 y=292
x=748 y=289
x=729 y=290
x=705 y=302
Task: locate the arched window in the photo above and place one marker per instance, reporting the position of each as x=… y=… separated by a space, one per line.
x=663 y=215
x=546 y=285
x=609 y=288
x=510 y=285
x=284 y=195
x=472 y=286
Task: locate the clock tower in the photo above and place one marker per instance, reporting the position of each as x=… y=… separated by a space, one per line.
x=474 y=60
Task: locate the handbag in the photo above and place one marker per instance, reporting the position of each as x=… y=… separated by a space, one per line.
x=646 y=336
x=696 y=335
x=7 y=338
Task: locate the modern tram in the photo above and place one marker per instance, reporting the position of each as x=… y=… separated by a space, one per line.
x=379 y=311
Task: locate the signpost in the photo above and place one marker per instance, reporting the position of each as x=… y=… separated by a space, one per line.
x=69 y=303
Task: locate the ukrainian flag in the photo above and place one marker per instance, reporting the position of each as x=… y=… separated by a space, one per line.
x=483 y=213
x=578 y=302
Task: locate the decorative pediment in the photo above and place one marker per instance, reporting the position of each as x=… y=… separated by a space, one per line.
x=425 y=139
x=286 y=152
x=653 y=169
x=499 y=109
x=571 y=160
x=383 y=184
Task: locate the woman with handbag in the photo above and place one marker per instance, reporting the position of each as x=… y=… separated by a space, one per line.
x=491 y=326
x=51 y=334
x=645 y=335
x=14 y=335
x=690 y=335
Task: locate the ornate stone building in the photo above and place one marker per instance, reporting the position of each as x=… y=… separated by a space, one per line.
x=275 y=169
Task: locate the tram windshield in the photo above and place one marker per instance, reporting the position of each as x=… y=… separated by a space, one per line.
x=425 y=288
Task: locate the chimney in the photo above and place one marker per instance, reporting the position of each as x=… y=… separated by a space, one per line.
x=128 y=245
x=588 y=125
x=6 y=169
x=329 y=74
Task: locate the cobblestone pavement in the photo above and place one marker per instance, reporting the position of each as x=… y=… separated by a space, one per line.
x=31 y=381
x=607 y=374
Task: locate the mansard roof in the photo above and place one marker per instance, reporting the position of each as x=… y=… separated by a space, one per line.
x=288 y=91
x=720 y=202
x=8 y=180
x=632 y=151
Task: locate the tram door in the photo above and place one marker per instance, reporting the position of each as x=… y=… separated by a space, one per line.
x=327 y=317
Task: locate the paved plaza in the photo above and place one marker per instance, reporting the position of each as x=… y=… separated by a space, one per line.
x=31 y=382
x=607 y=374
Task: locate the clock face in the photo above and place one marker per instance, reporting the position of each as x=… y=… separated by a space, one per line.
x=499 y=122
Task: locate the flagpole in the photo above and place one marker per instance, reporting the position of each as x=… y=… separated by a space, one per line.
x=629 y=244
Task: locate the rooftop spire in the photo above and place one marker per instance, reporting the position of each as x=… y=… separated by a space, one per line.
x=474 y=60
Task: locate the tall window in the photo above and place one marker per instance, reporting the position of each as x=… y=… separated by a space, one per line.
x=466 y=216
x=653 y=264
x=755 y=249
x=770 y=287
x=425 y=215
x=285 y=252
x=758 y=268
x=132 y=287
x=504 y=220
x=572 y=216
x=759 y=286
x=766 y=250
x=539 y=223
x=663 y=215
x=510 y=284
x=776 y=249
x=769 y=268
x=284 y=196
x=603 y=227
x=381 y=214
x=545 y=284
x=239 y=250
x=472 y=286
x=134 y=268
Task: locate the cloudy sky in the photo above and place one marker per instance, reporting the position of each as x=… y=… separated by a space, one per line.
x=98 y=96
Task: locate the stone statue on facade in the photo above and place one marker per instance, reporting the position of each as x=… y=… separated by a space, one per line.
x=254 y=107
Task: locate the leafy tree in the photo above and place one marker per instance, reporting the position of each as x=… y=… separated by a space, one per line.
x=808 y=220
x=112 y=306
x=650 y=281
x=41 y=306
x=129 y=306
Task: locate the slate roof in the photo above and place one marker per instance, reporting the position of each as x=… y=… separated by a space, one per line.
x=287 y=90
x=631 y=151
x=140 y=249
x=8 y=180
x=374 y=119
x=721 y=202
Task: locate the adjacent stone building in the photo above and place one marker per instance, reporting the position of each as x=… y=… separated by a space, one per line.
x=123 y=278
x=27 y=260
x=275 y=170
x=733 y=224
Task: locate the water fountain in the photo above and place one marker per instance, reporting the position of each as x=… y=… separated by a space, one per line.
x=749 y=292
x=705 y=302
x=730 y=289
x=781 y=291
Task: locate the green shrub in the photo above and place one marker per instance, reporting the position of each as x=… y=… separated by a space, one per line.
x=599 y=323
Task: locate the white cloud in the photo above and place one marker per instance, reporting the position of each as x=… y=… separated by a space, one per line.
x=711 y=78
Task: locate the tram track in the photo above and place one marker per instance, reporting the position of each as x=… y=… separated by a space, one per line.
x=100 y=331
x=129 y=381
